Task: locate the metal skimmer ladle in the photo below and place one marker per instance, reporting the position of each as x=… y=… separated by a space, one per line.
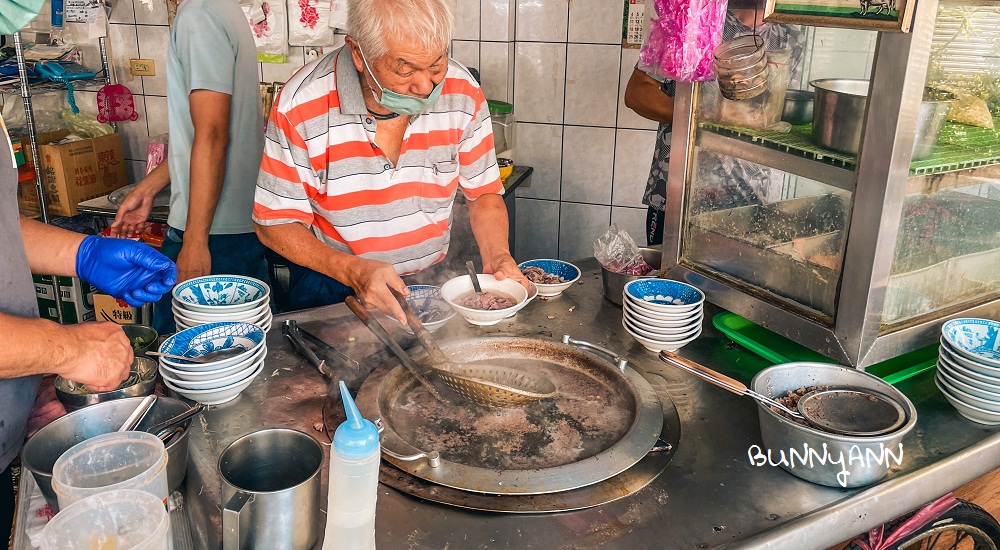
x=842 y=410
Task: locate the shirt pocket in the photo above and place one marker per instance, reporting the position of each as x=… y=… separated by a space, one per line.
x=438 y=187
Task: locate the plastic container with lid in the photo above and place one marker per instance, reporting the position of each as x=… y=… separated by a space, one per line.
x=502 y=115
x=127 y=519
x=118 y=460
x=354 y=463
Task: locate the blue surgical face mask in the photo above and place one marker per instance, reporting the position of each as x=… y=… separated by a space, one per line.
x=400 y=103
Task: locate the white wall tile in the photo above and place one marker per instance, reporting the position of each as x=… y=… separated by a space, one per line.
x=537 y=229
x=627 y=118
x=466 y=20
x=496 y=68
x=281 y=72
x=832 y=64
x=579 y=226
x=596 y=21
x=122 y=12
x=633 y=221
x=153 y=43
x=844 y=40
x=633 y=157
x=466 y=52
x=135 y=134
x=150 y=12
x=540 y=146
x=124 y=45
x=592 y=84
x=156 y=115
x=496 y=20
x=539 y=81
x=542 y=20
x=588 y=164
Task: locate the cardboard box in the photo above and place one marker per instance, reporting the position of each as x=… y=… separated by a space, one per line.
x=74 y=172
x=77 y=299
x=108 y=308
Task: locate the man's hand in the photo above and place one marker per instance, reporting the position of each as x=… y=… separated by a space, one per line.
x=371 y=281
x=194 y=260
x=502 y=266
x=96 y=354
x=132 y=214
x=125 y=269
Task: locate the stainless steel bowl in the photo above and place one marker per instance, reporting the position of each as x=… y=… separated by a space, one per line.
x=781 y=435
x=148 y=335
x=614 y=283
x=798 y=107
x=143 y=371
x=839 y=113
x=45 y=447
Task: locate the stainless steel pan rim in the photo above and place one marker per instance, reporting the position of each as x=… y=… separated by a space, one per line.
x=639 y=438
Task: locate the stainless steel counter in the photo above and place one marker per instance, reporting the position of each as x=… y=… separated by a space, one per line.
x=710 y=495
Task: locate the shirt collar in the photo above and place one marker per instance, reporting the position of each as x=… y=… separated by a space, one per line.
x=352 y=101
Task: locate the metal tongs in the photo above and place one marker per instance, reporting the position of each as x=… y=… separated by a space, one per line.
x=299 y=337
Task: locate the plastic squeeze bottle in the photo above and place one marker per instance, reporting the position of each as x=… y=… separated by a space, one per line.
x=354 y=462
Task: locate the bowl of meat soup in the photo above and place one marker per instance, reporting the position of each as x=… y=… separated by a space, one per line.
x=499 y=299
x=551 y=277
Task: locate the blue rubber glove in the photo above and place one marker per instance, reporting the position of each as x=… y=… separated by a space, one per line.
x=125 y=269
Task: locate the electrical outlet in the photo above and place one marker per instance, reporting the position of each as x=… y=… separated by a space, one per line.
x=142 y=67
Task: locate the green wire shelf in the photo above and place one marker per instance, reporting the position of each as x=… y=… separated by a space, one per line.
x=959 y=147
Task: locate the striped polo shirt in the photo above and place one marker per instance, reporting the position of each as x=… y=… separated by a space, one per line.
x=321 y=166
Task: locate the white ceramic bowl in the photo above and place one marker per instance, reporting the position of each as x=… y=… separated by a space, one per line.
x=216 y=396
x=264 y=321
x=214 y=383
x=944 y=361
x=974 y=414
x=191 y=316
x=221 y=293
x=662 y=338
x=200 y=340
x=569 y=273
x=664 y=295
x=202 y=375
x=661 y=332
x=659 y=317
x=967 y=398
x=971 y=389
x=461 y=286
x=640 y=315
x=975 y=339
x=656 y=345
x=975 y=366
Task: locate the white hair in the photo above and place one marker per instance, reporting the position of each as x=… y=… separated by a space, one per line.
x=429 y=23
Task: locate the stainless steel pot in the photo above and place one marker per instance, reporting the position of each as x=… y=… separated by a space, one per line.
x=839 y=113
x=847 y=461
x=43 y=448
x=798 y=107
x=614 y=283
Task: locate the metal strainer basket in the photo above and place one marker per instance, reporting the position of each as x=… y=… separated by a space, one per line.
x=495 y=386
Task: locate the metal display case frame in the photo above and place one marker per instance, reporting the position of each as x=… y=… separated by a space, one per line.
x=855 y=334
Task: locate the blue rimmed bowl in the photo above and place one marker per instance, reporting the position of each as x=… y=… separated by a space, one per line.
x=976 y=339
x=203 y=339
x=431 y=308
x=664 y=295
x=221 y=294
x=568 y=272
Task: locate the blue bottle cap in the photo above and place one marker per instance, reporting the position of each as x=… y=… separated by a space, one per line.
x=356 y=437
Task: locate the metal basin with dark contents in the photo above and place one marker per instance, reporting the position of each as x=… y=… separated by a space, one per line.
x=601 y=422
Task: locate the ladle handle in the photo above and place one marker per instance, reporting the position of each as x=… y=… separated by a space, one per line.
x=471 y=269
x=434 y=352
x=706 y=374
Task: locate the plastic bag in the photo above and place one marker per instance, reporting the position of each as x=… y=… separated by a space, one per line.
x=86 y=124
x=268 y=21
x=682 y=38
x=616 y=251
x=309 y=23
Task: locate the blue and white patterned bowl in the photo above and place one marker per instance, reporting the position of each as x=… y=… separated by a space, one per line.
x=664 y=295
x=973 y=413
x=432 y=309
x=216 y=396
x=221 y=293
x=975 y=339
x=200 y=340
x=955 y=362
x=638 y=322
x=569 y=273
x=655 y=345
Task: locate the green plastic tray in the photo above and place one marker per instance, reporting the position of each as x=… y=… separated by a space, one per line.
x=778 y=349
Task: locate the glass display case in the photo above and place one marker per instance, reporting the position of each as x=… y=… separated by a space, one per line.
x=859 y=255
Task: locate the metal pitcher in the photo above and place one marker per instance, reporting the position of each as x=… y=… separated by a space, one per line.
x=271 y=491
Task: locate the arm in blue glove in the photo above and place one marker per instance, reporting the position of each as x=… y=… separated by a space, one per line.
x=125 y=269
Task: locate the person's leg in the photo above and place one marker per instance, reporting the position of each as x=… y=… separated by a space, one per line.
x=309 y=289
x=163 y=318
x=654 y=226
x=7 y=501
x=240 y=254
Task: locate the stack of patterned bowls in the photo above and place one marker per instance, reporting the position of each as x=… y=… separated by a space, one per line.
x=221 y=298
x=968 y=372
x=662 y=314
x=219 y=381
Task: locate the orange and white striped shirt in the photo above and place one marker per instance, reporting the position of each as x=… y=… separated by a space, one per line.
x=321 y=167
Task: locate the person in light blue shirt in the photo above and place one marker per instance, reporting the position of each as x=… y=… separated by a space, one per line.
x=216 y=141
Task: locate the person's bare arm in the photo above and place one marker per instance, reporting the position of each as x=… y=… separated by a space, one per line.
x=210 y=117
x=50 y=250
x=644 y=96
x=138 y=205
x=488 y=217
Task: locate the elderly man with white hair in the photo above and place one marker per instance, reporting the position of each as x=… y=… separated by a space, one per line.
x=366 y=149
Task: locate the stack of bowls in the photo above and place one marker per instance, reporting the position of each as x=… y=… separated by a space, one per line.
x=662 y=314
x=219 y=298
x=968 y=372
x=213 y=382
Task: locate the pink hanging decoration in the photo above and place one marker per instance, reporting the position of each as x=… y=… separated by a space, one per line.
x=115 y=104
x=682 y=38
